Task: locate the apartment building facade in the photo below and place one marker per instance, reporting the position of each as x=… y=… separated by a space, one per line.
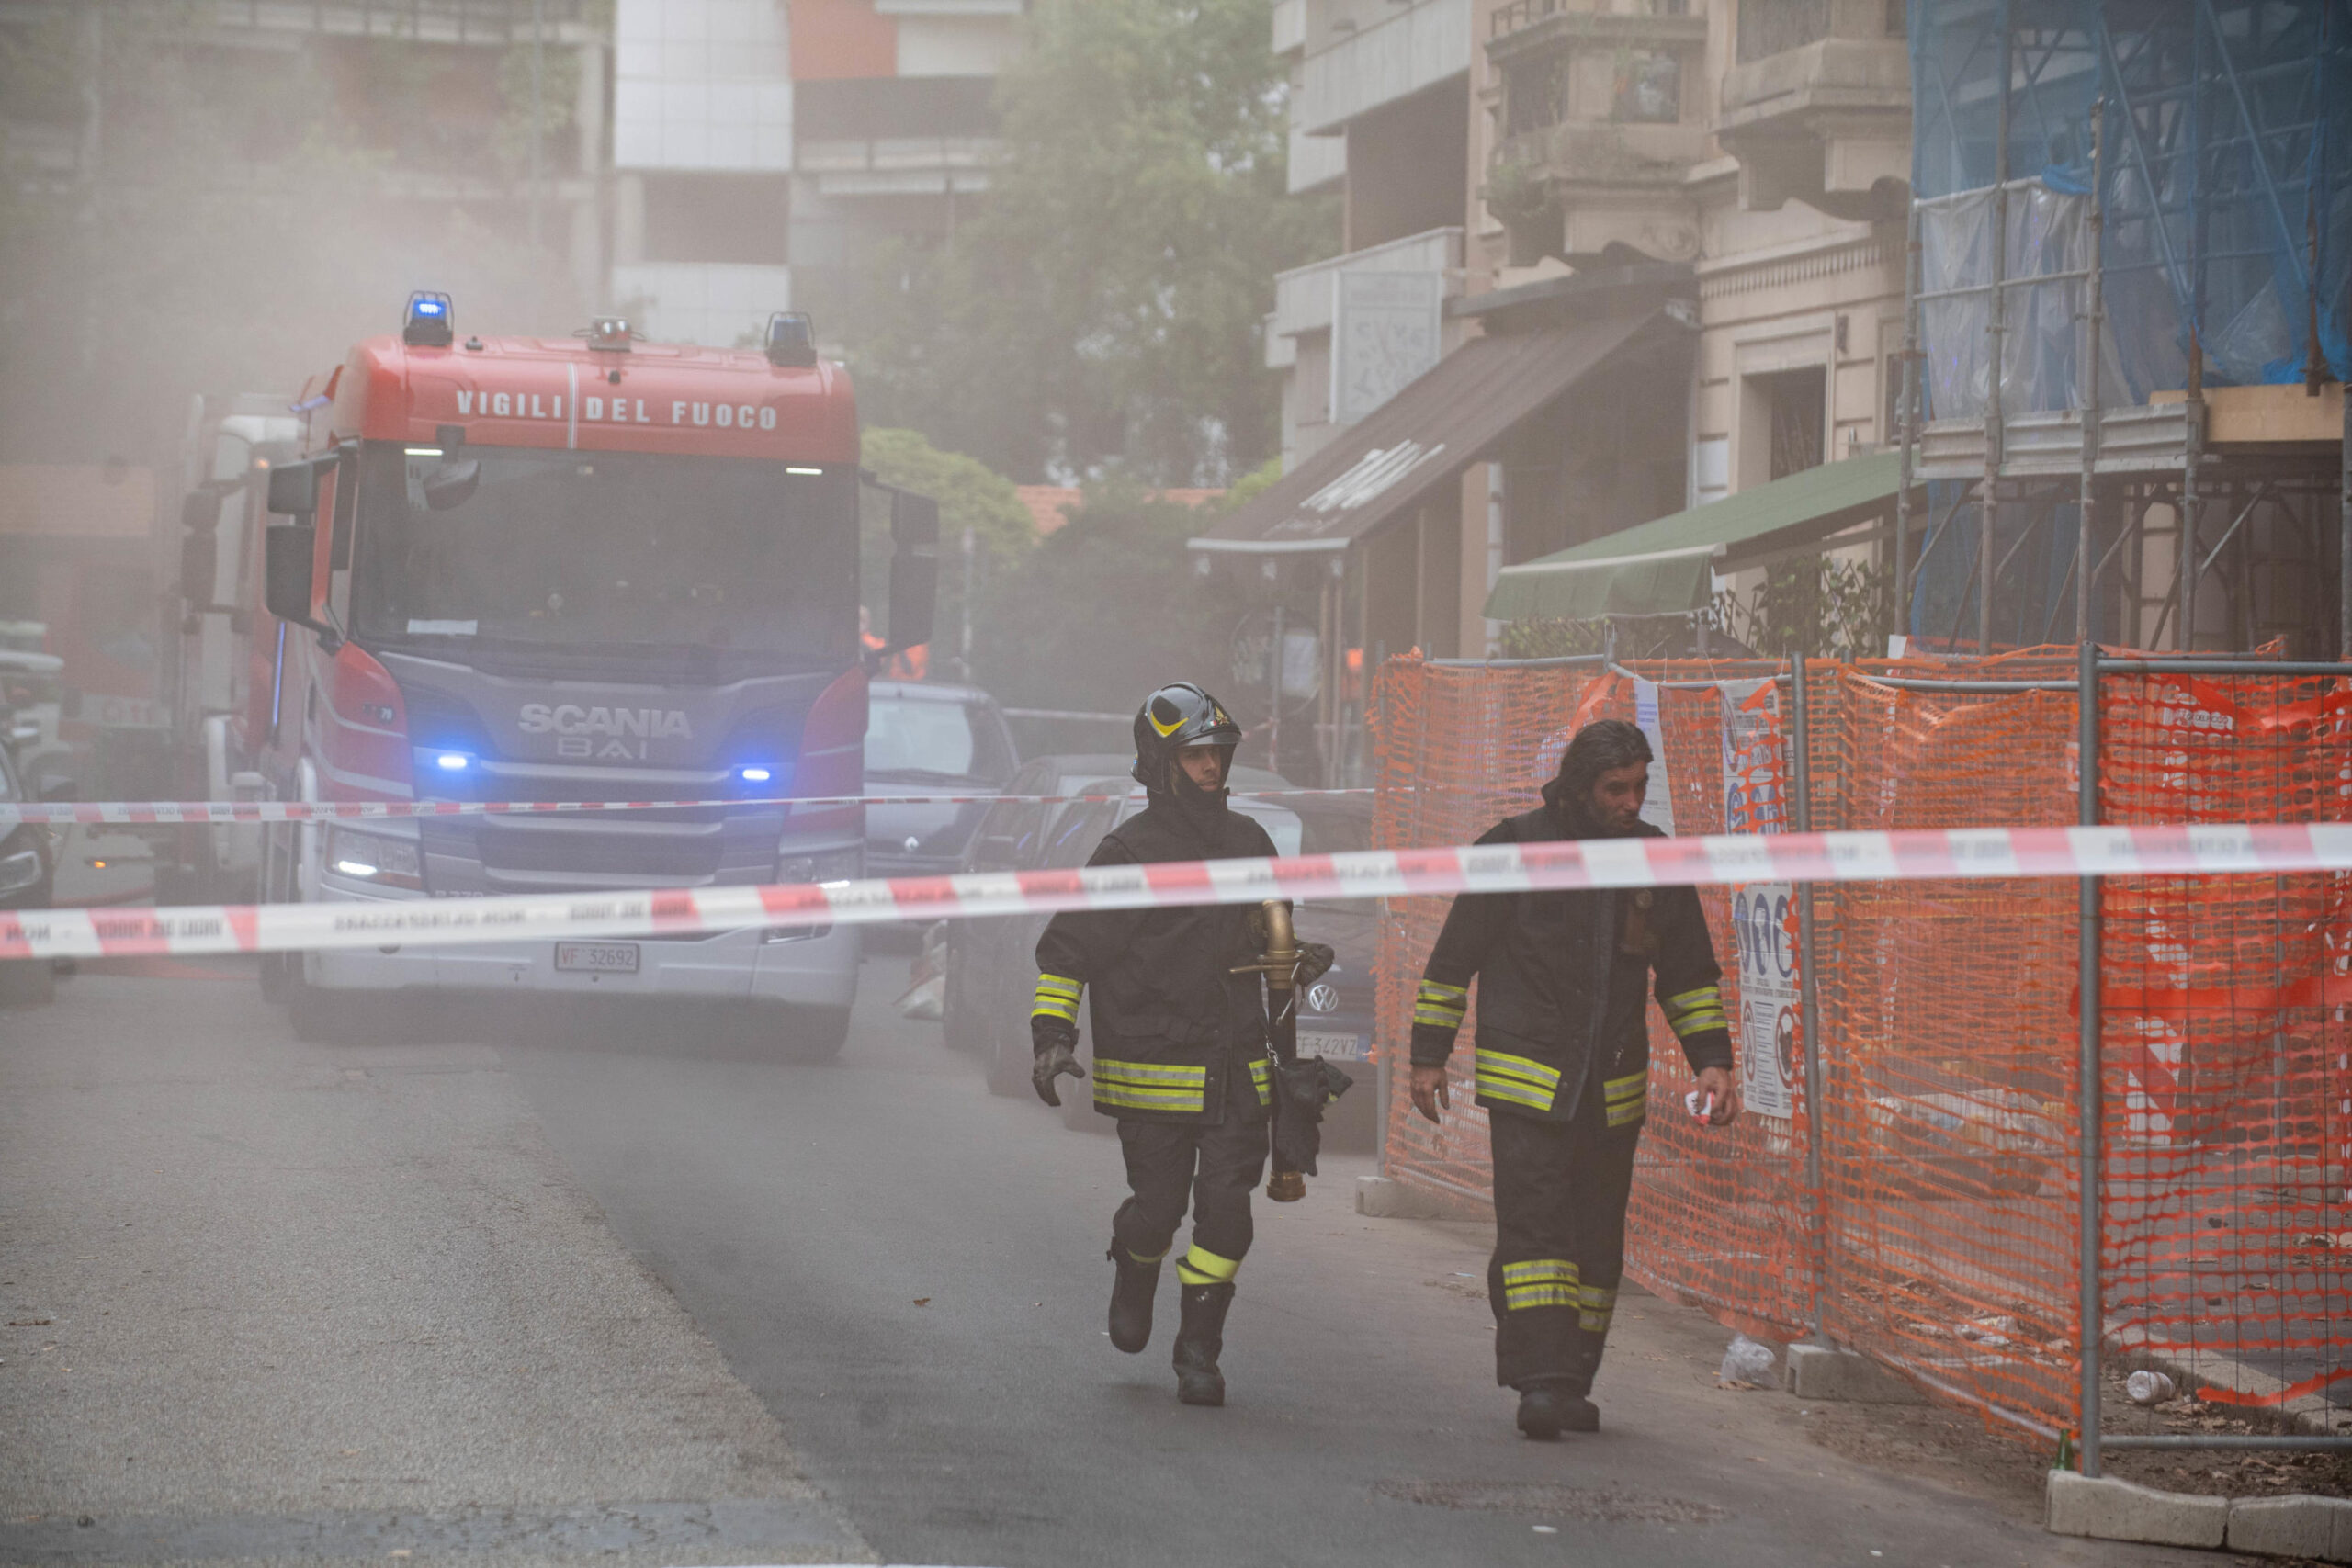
x=1676 y=275
x=755 y=141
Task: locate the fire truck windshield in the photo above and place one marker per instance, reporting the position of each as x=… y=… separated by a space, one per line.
x=741 y=564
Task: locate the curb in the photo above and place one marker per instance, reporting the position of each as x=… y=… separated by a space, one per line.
x=2300 y=1525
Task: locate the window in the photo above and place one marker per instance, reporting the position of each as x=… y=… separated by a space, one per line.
x=1650 y=89
x=1772 y=27
x=1795 y=405
x=918 y=737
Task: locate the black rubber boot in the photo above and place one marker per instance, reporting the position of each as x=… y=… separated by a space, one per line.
x=1539 y=1413
x=1199 y=1338
x=1131 y=1294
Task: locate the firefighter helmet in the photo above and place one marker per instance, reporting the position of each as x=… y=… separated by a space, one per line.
x=1177 y=715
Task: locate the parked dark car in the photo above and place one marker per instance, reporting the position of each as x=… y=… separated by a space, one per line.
x=28 y=881
x=992 y=963
x=927 y=739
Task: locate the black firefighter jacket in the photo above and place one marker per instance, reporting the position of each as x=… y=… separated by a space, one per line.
x=1178 y=1037
x=1560 y=978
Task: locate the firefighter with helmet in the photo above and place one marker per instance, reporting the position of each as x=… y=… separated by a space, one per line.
x=1180 y=1037
x=1563 y=1067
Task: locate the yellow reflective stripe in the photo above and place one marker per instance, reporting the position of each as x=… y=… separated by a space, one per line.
x=1140 y=1258
x=1261 y=1078
x=1439 y=1005
x=1517 y=1093
x=1519 y=1298
x=1151 y=1072
x=1540 y=1282
x=1128 y=1097
x=1627 y=1098
x=1057 y=998
x=1691 y=1011
x=1518 y=1066
x=1598 y=1304
x=1202 y=1267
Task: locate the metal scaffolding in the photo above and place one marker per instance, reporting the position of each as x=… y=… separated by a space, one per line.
x=2141 y=201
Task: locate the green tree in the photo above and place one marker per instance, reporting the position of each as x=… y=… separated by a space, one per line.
x=971 y=495
x=1103 y=309
x=1105 y=608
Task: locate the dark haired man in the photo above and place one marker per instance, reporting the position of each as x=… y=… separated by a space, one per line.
x=1563 y=1067
x=1180 y=1037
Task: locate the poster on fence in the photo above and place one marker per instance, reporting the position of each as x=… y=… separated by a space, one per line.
x=1764 y=927
x=1756 y=798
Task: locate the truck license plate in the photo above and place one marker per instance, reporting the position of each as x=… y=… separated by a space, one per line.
x=597 y=957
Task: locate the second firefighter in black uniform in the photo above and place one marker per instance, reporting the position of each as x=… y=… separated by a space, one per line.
x=1180 y=1037
x=1563 y=1068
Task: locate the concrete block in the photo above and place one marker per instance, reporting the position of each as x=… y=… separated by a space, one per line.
x=1385 y=1198
x=2339 y=1547
x=2107 y=1509
x=1826 y=1373
x=2297 y=1526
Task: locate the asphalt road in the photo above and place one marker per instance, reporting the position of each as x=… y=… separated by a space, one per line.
x=910 y=1272
x=426 y=1298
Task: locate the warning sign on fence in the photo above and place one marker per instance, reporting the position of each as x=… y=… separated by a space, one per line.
x=1764 y=925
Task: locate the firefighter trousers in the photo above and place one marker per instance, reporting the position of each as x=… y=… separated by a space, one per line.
x=1211 y=1165
x=1561 y=1189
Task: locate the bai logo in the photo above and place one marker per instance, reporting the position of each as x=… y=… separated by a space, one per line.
x=604 y=733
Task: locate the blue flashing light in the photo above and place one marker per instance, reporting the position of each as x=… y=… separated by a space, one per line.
x=431 y=307
x=754 y=774
x=453 y=761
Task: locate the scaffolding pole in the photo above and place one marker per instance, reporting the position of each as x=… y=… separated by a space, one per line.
x=1907 y=425
x=2085 y=534
x=1995 y=323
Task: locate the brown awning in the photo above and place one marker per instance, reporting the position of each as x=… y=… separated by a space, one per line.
x=1373 y=473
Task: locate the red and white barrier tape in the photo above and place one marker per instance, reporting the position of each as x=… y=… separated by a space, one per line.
x=222 y=813
x=1501 y=868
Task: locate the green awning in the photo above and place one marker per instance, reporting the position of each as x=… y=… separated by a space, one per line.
x=1664 y=567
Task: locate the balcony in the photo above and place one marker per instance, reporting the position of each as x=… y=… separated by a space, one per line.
x=1302 y=296
x=1599 y=129
x=1374 y=59
x=1817 y=110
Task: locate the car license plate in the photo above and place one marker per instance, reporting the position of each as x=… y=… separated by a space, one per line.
x=597 y=957
x=1333 y=1048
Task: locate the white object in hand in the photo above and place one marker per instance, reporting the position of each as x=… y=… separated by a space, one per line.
x=1703 y=1112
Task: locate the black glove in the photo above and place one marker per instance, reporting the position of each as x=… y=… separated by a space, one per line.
x=1314 y=959
x=1055 y=1043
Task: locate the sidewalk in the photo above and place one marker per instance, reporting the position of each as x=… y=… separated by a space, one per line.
x=263 y=1304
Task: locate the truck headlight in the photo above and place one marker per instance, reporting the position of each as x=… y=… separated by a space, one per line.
x=823 y=865
x=20 y=871
x=371 y=857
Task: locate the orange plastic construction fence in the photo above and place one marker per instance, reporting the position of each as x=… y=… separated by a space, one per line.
x=1942 y=1238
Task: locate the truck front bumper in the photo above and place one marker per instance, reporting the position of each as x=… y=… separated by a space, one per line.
x=791 y=969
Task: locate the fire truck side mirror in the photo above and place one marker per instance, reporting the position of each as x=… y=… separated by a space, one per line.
x=291 y=548
x=294 y=487
x=200 y=559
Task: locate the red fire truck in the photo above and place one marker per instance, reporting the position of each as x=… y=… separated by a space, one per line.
x=597 y=569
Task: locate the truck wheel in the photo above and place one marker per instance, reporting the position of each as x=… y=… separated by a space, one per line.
x=812 y=1035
